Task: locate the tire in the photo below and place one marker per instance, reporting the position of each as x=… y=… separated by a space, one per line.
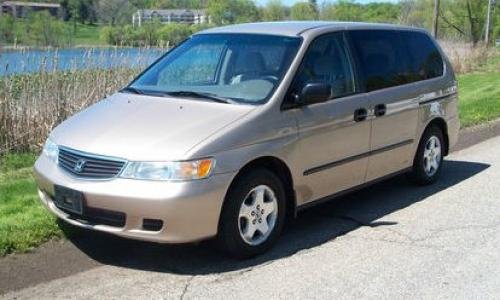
x=427 y=163
x=240 y=215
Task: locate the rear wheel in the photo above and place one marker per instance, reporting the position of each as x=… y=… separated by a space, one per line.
x=429 y=157
x=253 y=214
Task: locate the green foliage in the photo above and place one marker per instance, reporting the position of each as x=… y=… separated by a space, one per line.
x=344 y=10
x=274 y=11
x=7 y=29
x=24 y=223
x=232 y=11
x=149 y=34
x=174 y=33
x=459 y=19
x=83 y=11
x=85 y=35
x=44 y=30
x=303 y=11
x=14 y=161
x=480 y=94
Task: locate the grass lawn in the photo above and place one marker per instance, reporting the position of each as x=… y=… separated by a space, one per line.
x=84 y=34
x=479 y=94
x=87 y=35
x=25 y=224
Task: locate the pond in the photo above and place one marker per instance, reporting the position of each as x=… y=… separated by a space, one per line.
x=32 y=61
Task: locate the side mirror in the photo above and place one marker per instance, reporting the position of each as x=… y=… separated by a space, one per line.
x=314 y=93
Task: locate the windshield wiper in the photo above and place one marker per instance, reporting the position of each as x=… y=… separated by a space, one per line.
x=200 y=95
x=134 y=90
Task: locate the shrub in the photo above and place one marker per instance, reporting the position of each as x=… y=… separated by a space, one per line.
x=174 y=33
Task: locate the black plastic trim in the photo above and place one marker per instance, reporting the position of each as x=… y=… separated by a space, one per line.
x=356 y=157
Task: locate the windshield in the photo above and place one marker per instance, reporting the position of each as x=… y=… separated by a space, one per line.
x=244 y=68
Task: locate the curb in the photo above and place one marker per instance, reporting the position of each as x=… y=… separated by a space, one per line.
x=473 y=135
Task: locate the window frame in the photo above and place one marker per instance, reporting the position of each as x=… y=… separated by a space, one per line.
x=351 y=60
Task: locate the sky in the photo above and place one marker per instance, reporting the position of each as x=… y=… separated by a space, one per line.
x=291 y=2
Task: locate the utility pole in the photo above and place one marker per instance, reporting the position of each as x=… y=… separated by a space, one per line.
x=488 y=24
x=435 y=19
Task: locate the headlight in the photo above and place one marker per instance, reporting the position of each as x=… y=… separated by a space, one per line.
x=51 y=150
x=180 y=170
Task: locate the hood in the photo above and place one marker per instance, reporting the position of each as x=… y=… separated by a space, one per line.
x=145 y=128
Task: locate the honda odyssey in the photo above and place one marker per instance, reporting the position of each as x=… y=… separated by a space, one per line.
x=238 y=128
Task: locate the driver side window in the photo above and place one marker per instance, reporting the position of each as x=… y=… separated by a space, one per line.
x=326 y=61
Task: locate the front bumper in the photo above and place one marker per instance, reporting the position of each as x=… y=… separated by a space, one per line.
x=189 y=210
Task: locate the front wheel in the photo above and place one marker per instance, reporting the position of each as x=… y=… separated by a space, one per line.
x=429 y=157
x=253 y=214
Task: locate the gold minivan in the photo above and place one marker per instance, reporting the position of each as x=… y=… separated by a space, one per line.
x=238 y=128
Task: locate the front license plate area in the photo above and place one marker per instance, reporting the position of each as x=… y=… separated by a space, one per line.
x=68 y=199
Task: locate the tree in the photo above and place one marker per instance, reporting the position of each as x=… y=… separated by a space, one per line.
x=435 y=18
x=231 y=11
x=466 y=17
x=303 y=11
x=82 y=10
x=174 y=33
x=114 y=11
x=45 y=30
x=314 y=5
x=149 y=32
x=7 y=28
x=274 y=11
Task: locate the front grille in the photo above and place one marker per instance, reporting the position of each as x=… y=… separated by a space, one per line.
x=88 y=165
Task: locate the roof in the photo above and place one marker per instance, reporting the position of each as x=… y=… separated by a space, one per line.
x=295 y=28
x=31 y=4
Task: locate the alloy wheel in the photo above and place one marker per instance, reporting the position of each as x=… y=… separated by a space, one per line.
x=257 y=216
x=432 y=156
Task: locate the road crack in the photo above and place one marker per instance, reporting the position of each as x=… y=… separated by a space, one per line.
x=186 y=287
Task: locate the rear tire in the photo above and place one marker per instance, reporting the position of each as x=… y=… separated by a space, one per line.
x=253 y=214
x=428 y=160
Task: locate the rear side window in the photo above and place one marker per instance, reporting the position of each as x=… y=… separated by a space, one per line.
x=426 y=61
x=383 y=58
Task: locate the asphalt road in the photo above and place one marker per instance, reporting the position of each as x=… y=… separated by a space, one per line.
x=391 y=240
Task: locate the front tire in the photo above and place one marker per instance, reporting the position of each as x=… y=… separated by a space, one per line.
x=253 y=215
x=429 y=157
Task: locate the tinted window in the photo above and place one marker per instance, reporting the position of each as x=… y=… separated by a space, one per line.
x=326 y=61
x=426 y=61
x=383 y=58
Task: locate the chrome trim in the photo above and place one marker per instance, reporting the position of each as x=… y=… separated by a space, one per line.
x=435 y=99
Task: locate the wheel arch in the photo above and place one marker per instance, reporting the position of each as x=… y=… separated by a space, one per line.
x=441 y=124
x=279 y=168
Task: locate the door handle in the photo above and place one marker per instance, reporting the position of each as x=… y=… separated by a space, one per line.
x=380 y=110
x=360 y=114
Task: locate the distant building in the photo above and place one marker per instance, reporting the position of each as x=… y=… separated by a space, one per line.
x=20 y=9
x=187 y=16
